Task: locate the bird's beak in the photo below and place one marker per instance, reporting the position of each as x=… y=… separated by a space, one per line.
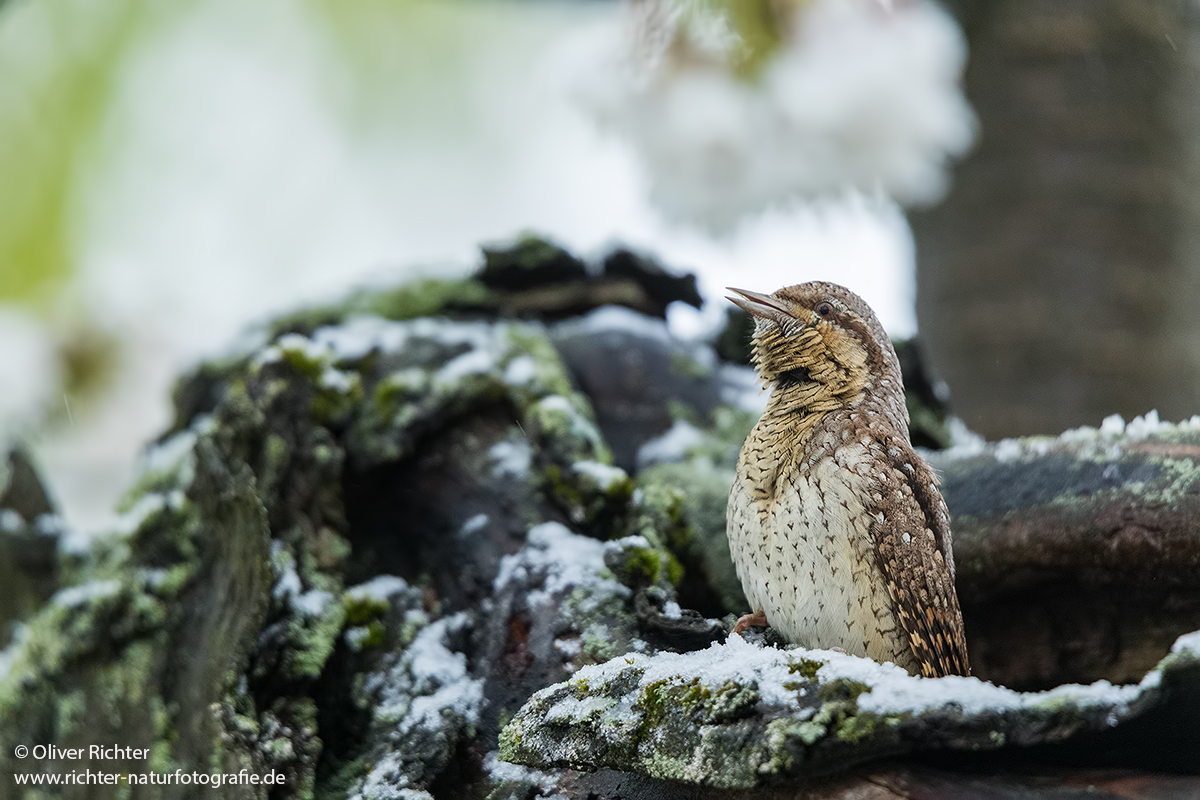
x=762 y=305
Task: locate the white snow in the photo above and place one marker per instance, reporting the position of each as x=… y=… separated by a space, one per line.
x=1188 y=643
x=556 y=402
x=511 y=458
x=361 y=334
x=338 y=381
x=428 y=681
x=1141 y=427
x=605 y=476
x=473 y=362
x=670 y=447
x=1007 y=450
x=473 y=524
x=312 y=603
x=85 y=592
x=1112 y=425
x=287 y=584
x=735 y=661
x=894 y=691
x=580 y=425
x=9 y=520
x=964 y=443
x=173 y=455
x=557 y=561
x=569 y=647
x=891 y=690
x=146 y=506
x=1104 y=442
x=381 y=587
x=520 y=370
x=504 y=772
x=616 y=319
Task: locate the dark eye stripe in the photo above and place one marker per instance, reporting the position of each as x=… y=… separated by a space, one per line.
x=793 y=377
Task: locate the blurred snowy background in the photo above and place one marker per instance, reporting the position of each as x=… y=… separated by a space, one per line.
x=173 y=171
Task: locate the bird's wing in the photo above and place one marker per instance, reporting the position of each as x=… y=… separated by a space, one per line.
x=911 y=532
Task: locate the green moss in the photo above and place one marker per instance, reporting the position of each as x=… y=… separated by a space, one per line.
x=161 y=481
x=1180 y=477
x=414 y=623
x=549 y=374
x=863 y=725
x=71 y=712
x=419 y=298
x=565 y=491
x=811 y=731
x=333 y=401
x=660 y=517
x=660 y=697
x=426 y=298
x=599 y=644
x=313 y=640
x=645 y=566
x=806 y=668
x=396 y=391
x=364 y=609
x=643 y=563
x=674 y=570
x=510 y=741
x=376 y=635
x=841 y=689
x=695 y=702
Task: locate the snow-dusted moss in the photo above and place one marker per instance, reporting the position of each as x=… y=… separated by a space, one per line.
x=738 y=715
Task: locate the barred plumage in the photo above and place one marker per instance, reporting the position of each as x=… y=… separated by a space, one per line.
x=836 y=526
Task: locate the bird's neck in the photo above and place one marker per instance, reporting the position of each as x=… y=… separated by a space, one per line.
x=811 y=375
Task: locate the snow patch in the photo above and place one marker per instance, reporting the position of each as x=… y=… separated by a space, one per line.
x=511 y=458
x=474 y=524
x=671 y=447
x=605 y=476
x=504 y=772
x=428 y=682
x=616 y=319
x=559 y=561
x=354 y=338
x=473 y=362
x=74 y=596
x=890 y=689
x=520 y=370
x=381 y=587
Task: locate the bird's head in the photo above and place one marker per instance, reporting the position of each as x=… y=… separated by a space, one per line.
x=820 y=344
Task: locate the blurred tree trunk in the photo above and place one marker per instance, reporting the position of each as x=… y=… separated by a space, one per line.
x=1059 y=282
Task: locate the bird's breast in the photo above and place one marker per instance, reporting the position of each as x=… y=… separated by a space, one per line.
x=806 y=557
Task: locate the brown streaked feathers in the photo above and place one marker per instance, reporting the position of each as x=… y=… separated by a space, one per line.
x=836 y=525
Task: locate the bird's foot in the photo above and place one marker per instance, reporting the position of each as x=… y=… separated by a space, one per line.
x=756 y=620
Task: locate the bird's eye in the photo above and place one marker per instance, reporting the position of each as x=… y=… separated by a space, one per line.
x=824 y=309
